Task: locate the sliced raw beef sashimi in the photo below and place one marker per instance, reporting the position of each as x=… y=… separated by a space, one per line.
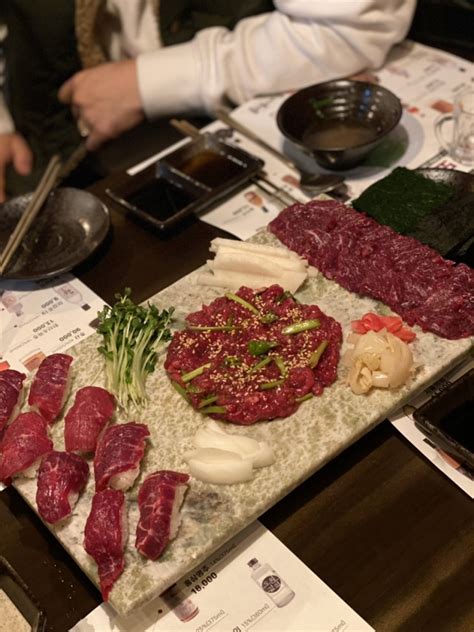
x=105 y=536
x=11 y=384
x=24 y=443
x=118 y=454
x=50 y=386
x=61 y=478
x=373 y=260
x=92 y=409
x=159 y=500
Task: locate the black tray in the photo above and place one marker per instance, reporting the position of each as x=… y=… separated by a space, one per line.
x=188 y=180
x=457 y=402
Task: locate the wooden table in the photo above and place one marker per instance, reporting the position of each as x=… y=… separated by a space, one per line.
x=381 y=526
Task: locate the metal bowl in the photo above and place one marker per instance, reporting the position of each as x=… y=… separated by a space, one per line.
x=339 y=122
x=68 y=229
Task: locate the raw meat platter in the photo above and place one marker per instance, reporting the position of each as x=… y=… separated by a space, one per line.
x=303 y=442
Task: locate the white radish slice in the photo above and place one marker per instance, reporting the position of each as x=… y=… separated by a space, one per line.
x=291 y=281
x=234 y=259
x=234 y=280
x=245 y=246
x=238 y=263
x=221 y=467
x=248 y=264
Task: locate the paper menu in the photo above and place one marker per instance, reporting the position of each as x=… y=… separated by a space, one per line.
x=42 y=317
x=278 y=593
x=405 y=424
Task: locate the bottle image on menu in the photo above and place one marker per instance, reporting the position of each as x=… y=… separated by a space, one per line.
x=69 y=293
x=271 y=583
x=181 y=606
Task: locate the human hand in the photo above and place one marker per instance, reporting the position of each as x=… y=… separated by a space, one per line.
x=14 y=149
x=105 y=99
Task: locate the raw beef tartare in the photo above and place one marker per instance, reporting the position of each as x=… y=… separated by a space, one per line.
x=254 y=355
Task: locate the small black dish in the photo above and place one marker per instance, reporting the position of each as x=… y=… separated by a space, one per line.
x=339 y=122
x=20 y=595
x=188 y=180
x=448 y=420
x=72 y=224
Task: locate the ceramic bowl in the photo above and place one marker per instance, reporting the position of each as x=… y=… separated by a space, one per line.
x=339 y=122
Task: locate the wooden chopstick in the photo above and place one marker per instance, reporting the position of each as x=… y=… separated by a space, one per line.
x=231 y=122
x=262 y=177
x=186 y=128
x=46 y=184
x=73 y=160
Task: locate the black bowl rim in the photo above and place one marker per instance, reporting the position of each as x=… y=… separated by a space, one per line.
x=101 y=235
x=347 y=82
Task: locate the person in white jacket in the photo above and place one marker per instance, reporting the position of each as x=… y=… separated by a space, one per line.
x=129 y=73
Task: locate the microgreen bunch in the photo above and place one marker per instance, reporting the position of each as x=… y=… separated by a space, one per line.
x=131 y=336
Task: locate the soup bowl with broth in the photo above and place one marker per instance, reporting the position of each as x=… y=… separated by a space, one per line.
x=339 y=122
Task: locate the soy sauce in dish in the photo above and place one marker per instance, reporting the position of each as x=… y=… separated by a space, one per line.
x=459 y=425
x=211 y=168
x=338 y=134
x=160 y=198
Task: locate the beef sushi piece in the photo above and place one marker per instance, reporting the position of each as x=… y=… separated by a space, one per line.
x=159 y=500
x=92 y=410
x=118 y=454
x=24 y=443
x=50 y=386
x=61 y=478
x=11 y=385
x=105 y=536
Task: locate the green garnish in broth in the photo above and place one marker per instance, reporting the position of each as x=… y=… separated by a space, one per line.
x=319 y=104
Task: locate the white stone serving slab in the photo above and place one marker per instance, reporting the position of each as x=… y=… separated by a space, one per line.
x=321 y=428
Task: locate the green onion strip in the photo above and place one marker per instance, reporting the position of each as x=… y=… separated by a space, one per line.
x=304 y=325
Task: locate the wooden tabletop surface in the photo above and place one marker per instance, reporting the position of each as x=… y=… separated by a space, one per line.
x=379 y=524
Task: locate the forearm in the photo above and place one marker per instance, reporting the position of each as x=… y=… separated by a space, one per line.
x=303 y=42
